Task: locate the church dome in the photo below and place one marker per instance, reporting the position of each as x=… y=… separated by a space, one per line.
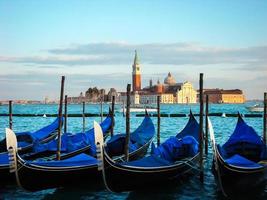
x=169 y=80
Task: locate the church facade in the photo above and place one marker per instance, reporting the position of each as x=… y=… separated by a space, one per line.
x=169 y=91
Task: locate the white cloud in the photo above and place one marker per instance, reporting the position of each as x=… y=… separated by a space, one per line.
x=153 y=53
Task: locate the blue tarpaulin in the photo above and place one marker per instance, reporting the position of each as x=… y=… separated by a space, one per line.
x=78 y=160
x=240 y=161
x=150 y=161
x=244 y=148
x=146 y=131
x=174 y=149
x=72 y=142
x=184 y=145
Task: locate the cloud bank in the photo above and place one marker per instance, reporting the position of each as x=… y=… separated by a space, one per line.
x=153 y=53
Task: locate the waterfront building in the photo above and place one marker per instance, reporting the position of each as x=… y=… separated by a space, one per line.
x=78 y=99
x=151 y=98
x=186 y=94
x=112 y=92
x=167 y=98
x=134 y=98
x=172 y=91
x=225 y=96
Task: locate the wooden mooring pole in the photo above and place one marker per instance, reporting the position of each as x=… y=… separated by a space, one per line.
x=10 y=114
x=123 y=108
x=66 y=114
x=112 y=112
x=83 y=116
x=206 y=125
x=201 y=175
x=101 y=108
x=60 y=117
x=158 y=109
x=127 y=137
x=264 y=119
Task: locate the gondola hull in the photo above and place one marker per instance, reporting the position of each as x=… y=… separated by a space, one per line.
x=236 y=180
x=5 y=176
x=34 y=178
x=120 y=178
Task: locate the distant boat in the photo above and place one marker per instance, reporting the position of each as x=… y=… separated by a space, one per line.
x=256 y=108
x=137 y=109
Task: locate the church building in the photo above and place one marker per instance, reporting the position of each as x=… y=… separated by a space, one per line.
x=170 y=91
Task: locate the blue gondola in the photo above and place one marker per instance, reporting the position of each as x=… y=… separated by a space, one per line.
x=80 y=169
x=176 y=157
x=26 y=141
x=71 y=145
x=240 y=165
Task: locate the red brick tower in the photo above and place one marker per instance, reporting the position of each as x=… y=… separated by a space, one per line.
x=136 y=74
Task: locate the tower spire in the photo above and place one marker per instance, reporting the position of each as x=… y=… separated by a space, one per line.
x=136 y=59
x=136 y=75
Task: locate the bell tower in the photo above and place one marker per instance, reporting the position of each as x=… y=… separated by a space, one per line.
x=136 y=74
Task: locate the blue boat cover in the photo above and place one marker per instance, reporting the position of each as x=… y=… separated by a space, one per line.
x=47 y=130
x=4 y=158
x=73 y=142
x=149 y=161
x=243 y=133
x=244 y=137
x=28 y=138
x=184 y=145
x=145 y=132
x=115 y=146
x=175 y=149
x=75 y=161
x=240 y=161
x=191 y=128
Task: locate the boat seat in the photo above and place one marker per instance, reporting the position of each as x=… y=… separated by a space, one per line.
x=240 y=161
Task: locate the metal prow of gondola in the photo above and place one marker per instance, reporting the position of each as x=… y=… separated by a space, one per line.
x=12 y=148
x=214 y=148
x=99 y=142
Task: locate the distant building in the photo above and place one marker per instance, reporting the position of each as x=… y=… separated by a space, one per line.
x=112 y=92
x=225 y=96
x=170 y=91
x=134 y=98
x=186 y=94
x=78 y=99
x=181 y=92
x=46 y=100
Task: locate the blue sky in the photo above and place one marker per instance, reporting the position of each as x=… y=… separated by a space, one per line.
x=93 y=43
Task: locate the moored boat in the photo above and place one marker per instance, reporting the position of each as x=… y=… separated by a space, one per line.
x=176 y=157
x=256 y=108
x=80 y=169
x=240 y=165
x=140 y=109
x=26 y=141
x=71 y=145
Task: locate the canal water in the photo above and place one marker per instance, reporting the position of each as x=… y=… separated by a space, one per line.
x=186 y=189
